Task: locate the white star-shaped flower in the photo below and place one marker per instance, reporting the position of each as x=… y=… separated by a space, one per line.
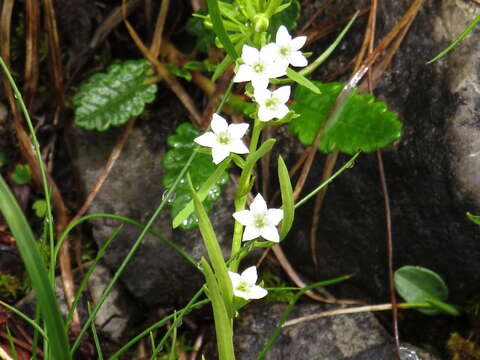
x=286 y=49
x=223 y=139
x=259 y=220
x=259 y=66
x=272 y=103
x=244 y=284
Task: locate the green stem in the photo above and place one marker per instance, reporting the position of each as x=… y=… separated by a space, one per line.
x=241 y=197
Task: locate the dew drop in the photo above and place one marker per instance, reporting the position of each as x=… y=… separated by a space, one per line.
x=408 y=354
x=171 y=198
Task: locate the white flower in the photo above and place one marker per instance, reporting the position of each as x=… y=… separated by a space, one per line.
x=244 y=284
x=259 y=66
x=286 y=49
x=224 y=139
x=259 y=221
x=272 y=103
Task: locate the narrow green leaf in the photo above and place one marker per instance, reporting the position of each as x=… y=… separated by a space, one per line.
x=95 y=335
x=223 y=328
x=222 y=67
x=37 y=271
x=214 y=251
x=302 y=80
x=251 y=161
x=474 y=218
x=417 y=284
x=112 y=98
x=219 y=28
x=287 y=198
x=202 y=193
x=447 y=308
x=318 y=61
x=457 y=40
x=24 y=317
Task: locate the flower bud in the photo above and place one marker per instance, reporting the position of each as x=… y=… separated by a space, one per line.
x=260 y=23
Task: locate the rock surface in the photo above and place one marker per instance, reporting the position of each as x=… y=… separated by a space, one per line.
x=115 y=315
x=331 y=338
x=156 y=274
x=433 y=173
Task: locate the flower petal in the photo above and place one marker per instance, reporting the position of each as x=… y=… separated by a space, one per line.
x=270 y=233
x=244 y=217
x=244 y=73
x=260 y=82
x=269 y=53
x=257 y=292
x=264 y=114
x=219 y=153
x=280 y=112
x=274 y=216
x=258 y=205
x=282 y=35
x=298 y=42
x=208 y=139
x=261 y=95
x=218 y=124
x=249 y=54
x=243 y=294
x=282 y=94
x=237 y=130
x=297 y=59
x=235 y=278
x=278 y=69
x=238 y=147
x=250 y=233
x=250 y=275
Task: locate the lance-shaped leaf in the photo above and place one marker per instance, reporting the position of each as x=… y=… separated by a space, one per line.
x=363 y=124
x=112 y=98
x=201 y=170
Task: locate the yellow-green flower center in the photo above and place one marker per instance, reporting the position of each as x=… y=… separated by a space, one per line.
x=272 y=103
x=285 y=51
x=259 y=68
x=259 y=221
x=224 y=138
x=243 y=286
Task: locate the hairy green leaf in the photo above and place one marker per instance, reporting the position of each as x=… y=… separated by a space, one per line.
x=112 y=98
x=420 y=285
x=363 y=124
x=202 y=168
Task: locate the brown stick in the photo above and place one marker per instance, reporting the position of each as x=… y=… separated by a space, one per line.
x=54 y=51
x=172 y=82
x=31 y=52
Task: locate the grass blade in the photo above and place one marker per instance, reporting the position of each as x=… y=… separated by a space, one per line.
x=37 y=271
x=219 y=28
x=457 y=40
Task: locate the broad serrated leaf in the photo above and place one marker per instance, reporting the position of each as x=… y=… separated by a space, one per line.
x=182 y=146
x=420 y=285
x=112 y=98
x=363 y=125
x=287 y=18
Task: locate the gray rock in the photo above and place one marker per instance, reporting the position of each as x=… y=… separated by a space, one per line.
x=331 y=338
x=432 y=173
x=156 y=274
x=115 y=315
